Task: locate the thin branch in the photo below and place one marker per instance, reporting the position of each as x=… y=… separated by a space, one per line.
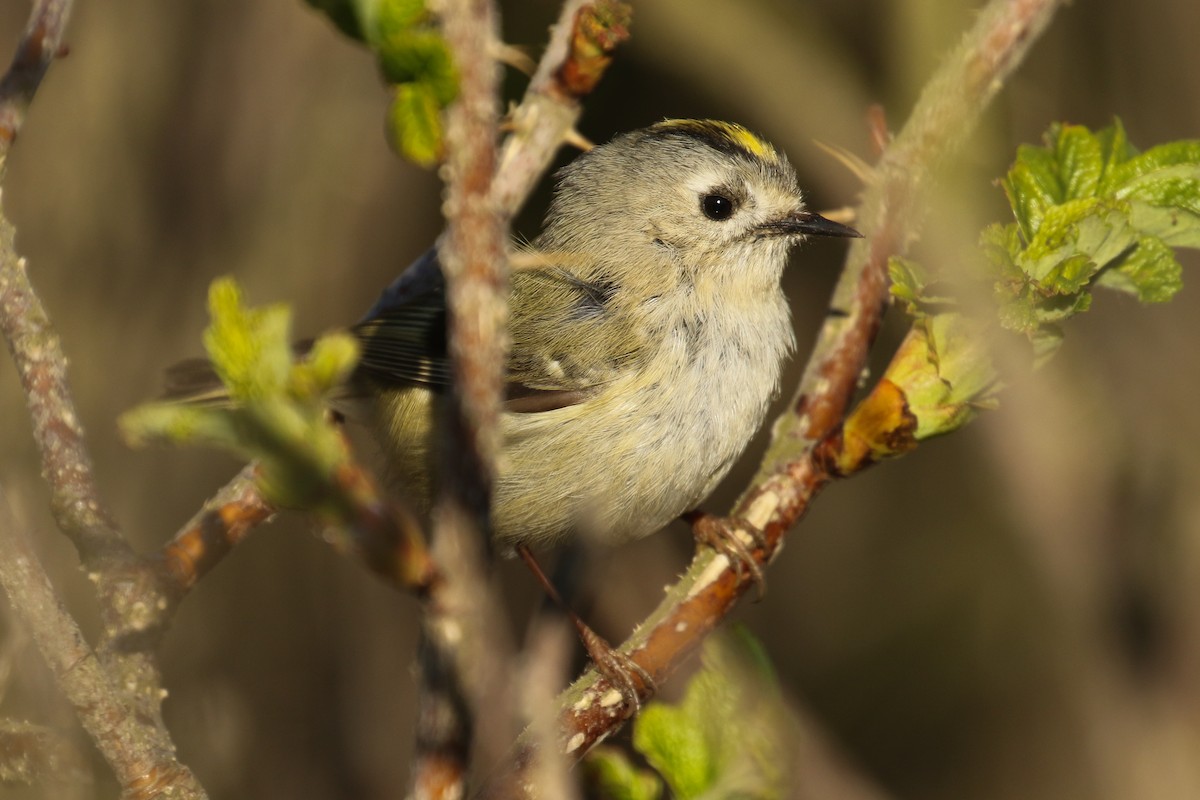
x=40 y=44
x=35 y=346
x=465 y=655
x=579 y=51
x=792 y=473
x=124 y=716
x=141 y=756
x=213 y=532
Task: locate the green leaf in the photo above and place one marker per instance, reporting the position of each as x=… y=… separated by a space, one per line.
x=179 y=424
x=1115 y=150
x=250 y=349
x=1032 y=186
x=1080 y=161
x=1075 y=240
x=420 y=56
x=384 y=18
x=729 y=736
x=1145 y=166
x=1150 y=272
x=329 y=362
x=415 y=124
x=277 y=414
x=616 y=778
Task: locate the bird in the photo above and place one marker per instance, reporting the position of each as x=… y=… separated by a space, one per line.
x=647 y=328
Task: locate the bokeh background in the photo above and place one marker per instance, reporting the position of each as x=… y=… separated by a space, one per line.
x=1012 y=611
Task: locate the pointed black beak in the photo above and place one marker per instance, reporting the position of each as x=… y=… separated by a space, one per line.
x=808 y=223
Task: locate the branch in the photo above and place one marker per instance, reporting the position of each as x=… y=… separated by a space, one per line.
x=465 y=656
x=579 y=51
x=34 y=345
x=117 y=698
x=141 y=756
x=790 y=474
x=40 y=44
x=213 y=532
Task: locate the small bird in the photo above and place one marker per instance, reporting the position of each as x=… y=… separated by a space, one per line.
x=648 y=330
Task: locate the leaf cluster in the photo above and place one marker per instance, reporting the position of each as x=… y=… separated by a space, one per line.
x=414 y=60
x=273 y=408
x=1091 y=211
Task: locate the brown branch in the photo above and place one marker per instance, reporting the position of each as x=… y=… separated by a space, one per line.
x=34 y=345
x=791 y=474
x=579 y=50
x=213 y=532
x=141 y=756
x=40 y=44
x=464 y=652
x=124 y=715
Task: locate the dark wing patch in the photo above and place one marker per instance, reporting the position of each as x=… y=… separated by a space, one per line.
x=406 y=344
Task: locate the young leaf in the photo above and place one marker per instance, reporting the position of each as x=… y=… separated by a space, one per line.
x=616 y=778
x=729 y=736
x=276 y=412
x=415 y=124
x=1080 y=160
x=420 y=56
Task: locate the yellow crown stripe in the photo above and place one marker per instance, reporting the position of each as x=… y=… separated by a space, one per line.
x=734 y=134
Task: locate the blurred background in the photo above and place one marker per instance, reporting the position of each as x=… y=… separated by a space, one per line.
x=1012 y=611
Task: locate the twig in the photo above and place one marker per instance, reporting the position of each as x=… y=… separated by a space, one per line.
x=141 y=756
x=465 y=657
x=791 y=474
x=39 y=45
x=35 y=346
x=130 y=598
x=579 y=50
x=213 y=532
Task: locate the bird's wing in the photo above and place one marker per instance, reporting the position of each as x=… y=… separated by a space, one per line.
x=564 y=341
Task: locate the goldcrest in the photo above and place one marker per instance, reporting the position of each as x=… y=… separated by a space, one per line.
x=647 y=327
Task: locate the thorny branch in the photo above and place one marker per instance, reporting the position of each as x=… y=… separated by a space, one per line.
x=141 y=756
x=792 y=472
x=116 y=691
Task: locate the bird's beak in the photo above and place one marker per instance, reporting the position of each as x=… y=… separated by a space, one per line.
x=808 y=223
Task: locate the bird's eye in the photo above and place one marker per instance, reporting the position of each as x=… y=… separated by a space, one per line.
x=716 y=206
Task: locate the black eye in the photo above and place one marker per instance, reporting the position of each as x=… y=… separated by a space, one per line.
x=716 y=206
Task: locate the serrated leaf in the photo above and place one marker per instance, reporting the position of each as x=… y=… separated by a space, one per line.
x=1032 y=186
x=1076 y=239
x=415 y=124
x=1184 y=153
x=1016 y=312
x=420 y=56
x=1115 y=149
x=1046 y=342
x=907 y=281
x=1174 y=226
x=1002 y=246
x=1150 y=272
x=1079 y=160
